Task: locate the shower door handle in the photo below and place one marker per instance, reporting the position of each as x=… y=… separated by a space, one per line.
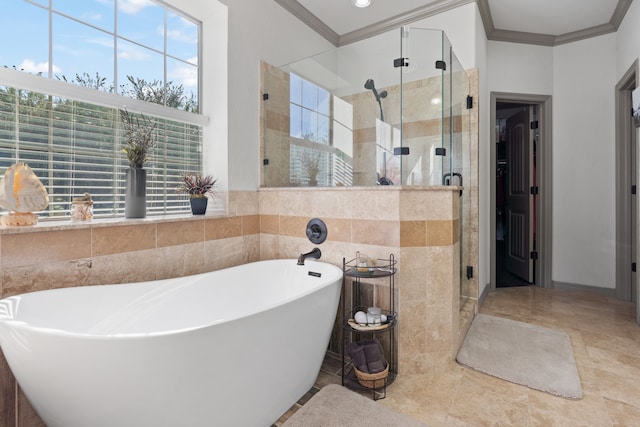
x=446 y=178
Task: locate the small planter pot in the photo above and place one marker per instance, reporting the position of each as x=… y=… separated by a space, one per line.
x=199 y=205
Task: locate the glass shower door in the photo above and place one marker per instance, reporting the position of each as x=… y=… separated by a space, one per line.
x=459 y=162
x=422 y=104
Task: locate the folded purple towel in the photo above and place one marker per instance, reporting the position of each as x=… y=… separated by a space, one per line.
x=367 y=356
x=357 y=355
x=375 y=357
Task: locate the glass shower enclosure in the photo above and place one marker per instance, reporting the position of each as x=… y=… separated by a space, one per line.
x=388 y=110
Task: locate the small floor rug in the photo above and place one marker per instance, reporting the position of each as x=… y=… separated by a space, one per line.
x=537 y=357
x=336 y=406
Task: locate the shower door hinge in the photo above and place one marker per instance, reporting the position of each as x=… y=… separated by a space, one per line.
x=533 y=255
x=633 y=267
x=400 y=151
x=401 y=62
x=534 y=125
x=469 y=102
x=634 y=189
x=441 y=65
x=441 y=151
x=534 y=190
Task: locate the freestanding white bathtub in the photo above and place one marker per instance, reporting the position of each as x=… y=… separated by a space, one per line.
x=234 y=347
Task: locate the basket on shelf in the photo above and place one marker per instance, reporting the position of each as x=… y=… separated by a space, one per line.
x=369 y=364
x=377 y=380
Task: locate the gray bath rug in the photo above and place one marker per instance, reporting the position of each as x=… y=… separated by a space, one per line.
x=533 y=356
x=336 y=406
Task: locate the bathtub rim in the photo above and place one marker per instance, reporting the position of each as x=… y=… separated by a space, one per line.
x=21 y=325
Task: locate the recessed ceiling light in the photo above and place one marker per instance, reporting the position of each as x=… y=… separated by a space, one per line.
x=361 y=3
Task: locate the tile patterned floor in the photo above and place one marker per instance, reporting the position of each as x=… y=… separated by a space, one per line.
x=606 y=345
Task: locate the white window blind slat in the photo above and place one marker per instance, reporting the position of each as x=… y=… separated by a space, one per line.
x=74 y=149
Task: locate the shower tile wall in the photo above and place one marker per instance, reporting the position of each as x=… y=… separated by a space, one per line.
x=275 y=141
x=419 y=225
x=421 y=129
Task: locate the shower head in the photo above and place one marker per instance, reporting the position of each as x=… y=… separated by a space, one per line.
x=369 y=85
x=372 y=87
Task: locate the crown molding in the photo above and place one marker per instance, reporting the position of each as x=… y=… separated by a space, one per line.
x=441 y=6
x=312 y=21
x=402 y=19
x=587 y=33
x=620 y=12
x=485 y=15
x=548 y=39
x=521 y=37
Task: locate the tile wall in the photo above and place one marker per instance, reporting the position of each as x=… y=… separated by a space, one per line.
x=57 y=255
x=418 y=225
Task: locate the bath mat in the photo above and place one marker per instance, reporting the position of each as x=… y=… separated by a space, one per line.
x=533 y=356
x=336 y=406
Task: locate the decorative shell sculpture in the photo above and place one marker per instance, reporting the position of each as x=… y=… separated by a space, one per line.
x=22 y=193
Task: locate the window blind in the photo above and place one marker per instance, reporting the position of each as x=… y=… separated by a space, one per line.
x=76 y=147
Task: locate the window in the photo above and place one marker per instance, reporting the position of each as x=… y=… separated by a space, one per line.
x=309 y=110
x=148 y=52
x=99 y=56
x=316 y=158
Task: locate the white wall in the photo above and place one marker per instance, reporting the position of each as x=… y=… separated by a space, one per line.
x=258 y=30
x=583 y=162
x=213 y=16
x=460 y=27
x=628 y=50
x=519 y=68
x=237 y=35
x=628 y=44
x=515 y=68
x=580 y=79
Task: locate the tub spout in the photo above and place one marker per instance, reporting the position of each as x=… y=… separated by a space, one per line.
x=315 y=253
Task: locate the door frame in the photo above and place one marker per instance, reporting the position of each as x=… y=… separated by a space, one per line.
x=624 y=141
x=543 y=212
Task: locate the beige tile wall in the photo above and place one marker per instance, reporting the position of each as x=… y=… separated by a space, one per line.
x=419 y=225
x=56 y=255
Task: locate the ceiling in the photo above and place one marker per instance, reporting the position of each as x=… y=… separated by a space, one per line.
x=544 y=22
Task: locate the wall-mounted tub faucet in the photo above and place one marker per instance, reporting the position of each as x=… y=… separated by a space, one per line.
x=315 y=253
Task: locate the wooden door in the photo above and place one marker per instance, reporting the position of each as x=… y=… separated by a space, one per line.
x=519 y=206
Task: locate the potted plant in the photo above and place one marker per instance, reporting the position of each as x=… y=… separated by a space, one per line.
x=140 y=136
x=197 y=187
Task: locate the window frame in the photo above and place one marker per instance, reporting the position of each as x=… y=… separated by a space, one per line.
x=59 y=88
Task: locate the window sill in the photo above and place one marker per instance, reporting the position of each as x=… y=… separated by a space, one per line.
x=67 y=224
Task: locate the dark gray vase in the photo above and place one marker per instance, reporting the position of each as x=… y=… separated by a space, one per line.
x=135 y=197
x=198 y=205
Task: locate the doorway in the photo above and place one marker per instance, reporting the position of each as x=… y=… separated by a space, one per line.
x=626 y=193
x=520 y=190
x=516 y=193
